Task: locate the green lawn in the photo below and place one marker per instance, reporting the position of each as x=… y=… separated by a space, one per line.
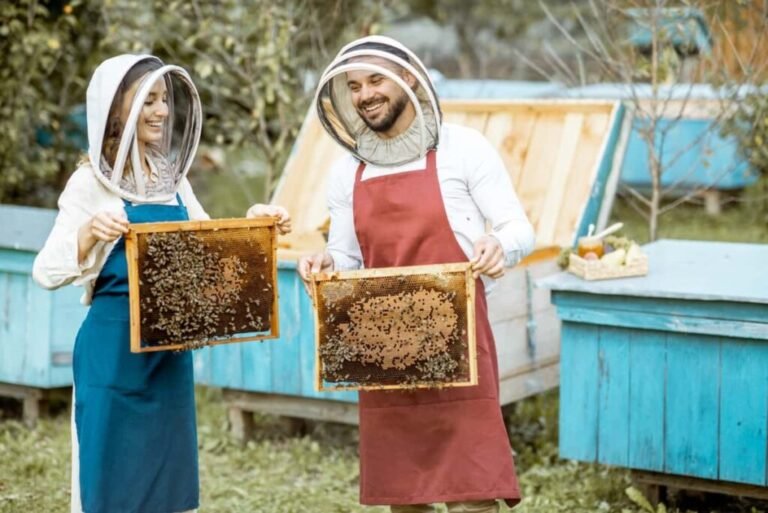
x=318 y=473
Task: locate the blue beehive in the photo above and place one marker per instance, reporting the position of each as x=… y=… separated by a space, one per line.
x=37 y=327
x=668 y=373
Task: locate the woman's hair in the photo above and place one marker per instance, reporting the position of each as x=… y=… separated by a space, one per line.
x=114 y=130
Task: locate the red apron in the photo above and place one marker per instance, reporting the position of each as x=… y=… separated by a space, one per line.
x=427 y=446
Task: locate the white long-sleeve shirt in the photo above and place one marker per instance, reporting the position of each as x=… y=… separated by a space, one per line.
x=83 y=197
x=475 y=187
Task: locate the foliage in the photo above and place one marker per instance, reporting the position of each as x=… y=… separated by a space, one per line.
x=749 y=124
x=249 y=60
x=44 y=65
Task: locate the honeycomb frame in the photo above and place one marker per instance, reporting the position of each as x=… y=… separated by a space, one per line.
x=451 y=284
x=136 y=241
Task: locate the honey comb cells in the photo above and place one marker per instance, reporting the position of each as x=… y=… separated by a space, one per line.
x=380 y=329
x=201 y=287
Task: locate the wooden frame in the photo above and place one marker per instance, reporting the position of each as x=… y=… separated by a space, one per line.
x=132 y=255
x=464 y=268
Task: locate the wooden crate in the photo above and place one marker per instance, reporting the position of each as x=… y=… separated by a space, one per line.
x=375 y=301
x=231 y=298
x=596 y=270
x=569 y=143
x=668 y=373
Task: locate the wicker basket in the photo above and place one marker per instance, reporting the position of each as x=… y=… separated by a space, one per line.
x=597 y=270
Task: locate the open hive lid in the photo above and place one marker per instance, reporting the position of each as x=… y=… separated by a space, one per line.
x=559 y=154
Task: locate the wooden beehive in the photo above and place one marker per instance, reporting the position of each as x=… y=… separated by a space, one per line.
x=395 y=328
x=198 y=283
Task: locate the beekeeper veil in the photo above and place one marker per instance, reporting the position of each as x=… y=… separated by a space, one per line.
x=345 y=118
x=138 y=106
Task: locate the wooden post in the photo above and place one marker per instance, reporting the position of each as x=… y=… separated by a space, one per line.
x=241 y=423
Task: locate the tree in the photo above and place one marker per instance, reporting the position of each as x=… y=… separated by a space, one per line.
x=45 y=59
x=603 y=39
x=250 y=60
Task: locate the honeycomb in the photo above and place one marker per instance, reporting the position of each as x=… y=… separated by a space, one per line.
x=197 y=287
x=404 y=329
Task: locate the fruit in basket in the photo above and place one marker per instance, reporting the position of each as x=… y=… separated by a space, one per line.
x=615 y=258
x=633 y=253
x=591 y=256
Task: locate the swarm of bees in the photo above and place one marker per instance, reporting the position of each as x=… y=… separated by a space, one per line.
x=406 y=332
x=195 y=290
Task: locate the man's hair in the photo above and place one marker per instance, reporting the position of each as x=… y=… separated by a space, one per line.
x=382 y=47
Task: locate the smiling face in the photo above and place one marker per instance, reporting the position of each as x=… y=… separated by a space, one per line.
x=154 y=112
x=379 y=101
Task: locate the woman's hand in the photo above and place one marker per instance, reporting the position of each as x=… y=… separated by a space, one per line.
x=105 y=227
x=282 y=215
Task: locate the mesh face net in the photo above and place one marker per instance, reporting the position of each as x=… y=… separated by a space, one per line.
x=204 y=286
x=341 y=113
x=173 y=138
x=402 y=331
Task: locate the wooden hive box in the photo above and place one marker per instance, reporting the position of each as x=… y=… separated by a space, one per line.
x=667 y=374
x=37 y=327
x=560 y=156
x=199 y=283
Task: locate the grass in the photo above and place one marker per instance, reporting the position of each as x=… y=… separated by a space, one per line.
x=280 y=473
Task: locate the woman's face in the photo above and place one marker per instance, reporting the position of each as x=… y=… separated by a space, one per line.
x=154 y=112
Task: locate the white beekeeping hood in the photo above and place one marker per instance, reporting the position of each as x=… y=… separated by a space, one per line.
x=181 y=130
x=340 y=118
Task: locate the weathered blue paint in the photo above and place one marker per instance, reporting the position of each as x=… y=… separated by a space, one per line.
x=37 y=327
x=673 y=367
x=284 y=366
x=613 y=395
x=693 y=154
x=597 y=194
x=579 y=392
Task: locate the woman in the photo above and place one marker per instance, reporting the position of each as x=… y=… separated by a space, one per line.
x=134 y=414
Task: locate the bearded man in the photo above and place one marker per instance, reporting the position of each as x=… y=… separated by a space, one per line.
x=415 y=191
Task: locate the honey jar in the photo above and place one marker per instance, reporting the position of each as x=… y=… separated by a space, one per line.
x=590 y=244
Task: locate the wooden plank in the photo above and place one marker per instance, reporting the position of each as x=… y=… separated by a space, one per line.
x=535 y=179
x=743 y=411
x=226 y=365
x=290 y=406
x=671 y=323
x=693 y=392
x=534 y=381
x=37 y=368
x=614 y=406
x=648 y=357
x=612 y=181
x=547 y=106
x=583 y=170
x=13 y=340
x=748 y=312
x=478 y=121
x=559 y=179
x=511 y=136
x=579 y=392
x=704 y=485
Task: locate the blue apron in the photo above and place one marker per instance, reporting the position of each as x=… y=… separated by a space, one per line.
x=134 y=413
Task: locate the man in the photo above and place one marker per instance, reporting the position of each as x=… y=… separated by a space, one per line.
x=423 y=193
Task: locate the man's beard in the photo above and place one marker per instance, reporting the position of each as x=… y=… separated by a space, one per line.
x=388 y=121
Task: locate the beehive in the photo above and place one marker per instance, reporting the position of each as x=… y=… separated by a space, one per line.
x=198 y=283
x=408 y=327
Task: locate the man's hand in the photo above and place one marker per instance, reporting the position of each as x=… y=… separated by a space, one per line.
x=262 y=210
x=488 y=258
x=317 y=263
